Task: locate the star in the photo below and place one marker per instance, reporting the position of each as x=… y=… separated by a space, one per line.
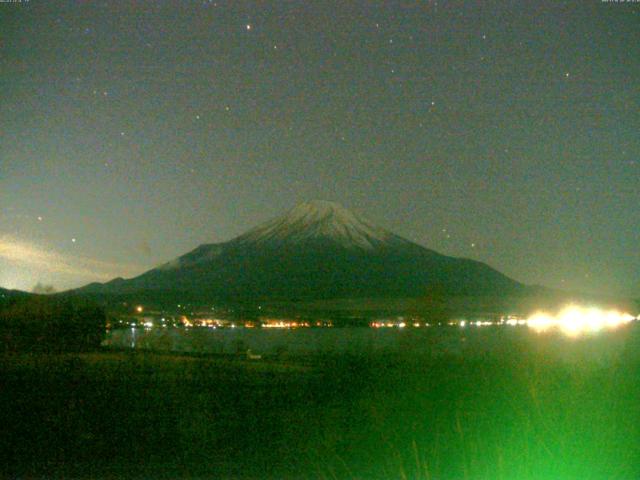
x=73 y=240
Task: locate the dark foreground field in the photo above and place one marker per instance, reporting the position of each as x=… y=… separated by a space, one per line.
x=513 y=414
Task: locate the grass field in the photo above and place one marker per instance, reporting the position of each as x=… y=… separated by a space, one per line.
x=512 y=414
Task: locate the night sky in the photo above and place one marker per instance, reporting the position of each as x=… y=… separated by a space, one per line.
x=507 y=132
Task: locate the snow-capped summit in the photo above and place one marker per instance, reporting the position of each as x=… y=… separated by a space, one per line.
x=319 y=219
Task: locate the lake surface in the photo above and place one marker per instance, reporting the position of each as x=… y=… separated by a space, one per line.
x=431 y=341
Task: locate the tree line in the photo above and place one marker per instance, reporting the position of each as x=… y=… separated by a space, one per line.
x=50 y=323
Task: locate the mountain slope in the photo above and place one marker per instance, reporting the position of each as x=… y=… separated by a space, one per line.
x=7 y=295
x=317 y=250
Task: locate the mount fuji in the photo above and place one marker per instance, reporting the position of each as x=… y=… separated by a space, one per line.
x=318 y=250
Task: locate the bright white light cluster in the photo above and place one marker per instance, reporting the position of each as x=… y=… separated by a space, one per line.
x=574 y=320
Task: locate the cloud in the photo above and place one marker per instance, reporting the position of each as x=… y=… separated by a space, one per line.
x=24 y=254
x=42 y=288
x=144 y=247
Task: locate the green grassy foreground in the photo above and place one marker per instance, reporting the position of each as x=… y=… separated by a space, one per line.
x=513 y=414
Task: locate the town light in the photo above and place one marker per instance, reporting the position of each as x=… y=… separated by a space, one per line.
x=575 y=320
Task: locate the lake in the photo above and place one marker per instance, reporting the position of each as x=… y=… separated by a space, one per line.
x=430 y=341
